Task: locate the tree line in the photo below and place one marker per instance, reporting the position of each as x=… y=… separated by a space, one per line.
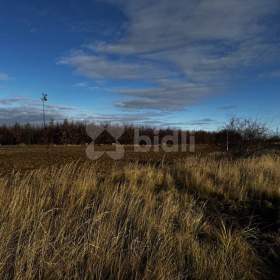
x=235 y=134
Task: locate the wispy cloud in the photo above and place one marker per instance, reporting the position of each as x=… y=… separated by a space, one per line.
x=201 y=122
x=12 y=100
x=186 y=50
x=26 y=114
x=81 y=85
x=150 y=119
x=86 y=85
x=4 y=76
x=23 y=110
x=101 y=66
x=26 y=110
x=227 y=107
x=274 y=74
x=167 y=95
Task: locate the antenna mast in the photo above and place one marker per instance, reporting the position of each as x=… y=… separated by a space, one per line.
x=44 y=99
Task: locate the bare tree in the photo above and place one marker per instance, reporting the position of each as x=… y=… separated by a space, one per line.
x=245 y=135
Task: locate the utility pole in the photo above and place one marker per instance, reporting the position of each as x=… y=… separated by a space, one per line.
x=44 y=99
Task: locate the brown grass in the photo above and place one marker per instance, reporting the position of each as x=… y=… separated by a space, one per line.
x=199 y=218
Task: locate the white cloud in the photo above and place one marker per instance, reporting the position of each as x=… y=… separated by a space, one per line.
x=103 y=67
x=188 y=50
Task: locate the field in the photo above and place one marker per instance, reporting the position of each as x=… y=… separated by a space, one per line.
x=149 y=216
x=25 y=157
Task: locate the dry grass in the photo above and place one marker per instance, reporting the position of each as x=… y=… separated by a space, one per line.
x=179 y=221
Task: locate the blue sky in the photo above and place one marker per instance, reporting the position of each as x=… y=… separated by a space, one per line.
x=190 y=64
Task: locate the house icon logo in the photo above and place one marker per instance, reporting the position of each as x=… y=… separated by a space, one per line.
x=93 y=131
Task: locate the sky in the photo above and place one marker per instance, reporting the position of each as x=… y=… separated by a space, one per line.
x=189 y=64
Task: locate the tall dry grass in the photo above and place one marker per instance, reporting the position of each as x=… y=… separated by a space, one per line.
x=141 y=222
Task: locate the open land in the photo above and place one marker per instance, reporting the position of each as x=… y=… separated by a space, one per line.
x=150 y=215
